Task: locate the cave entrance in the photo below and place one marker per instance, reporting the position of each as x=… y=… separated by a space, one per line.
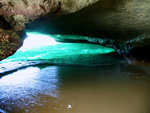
x=40 y=47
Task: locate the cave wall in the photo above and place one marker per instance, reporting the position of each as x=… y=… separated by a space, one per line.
x=20 y=12
x=121 y=24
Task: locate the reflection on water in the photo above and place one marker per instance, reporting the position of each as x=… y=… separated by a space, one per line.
x=119 y=88
x=23 y=88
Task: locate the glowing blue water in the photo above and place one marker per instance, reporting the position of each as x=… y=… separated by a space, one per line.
x=44 y=49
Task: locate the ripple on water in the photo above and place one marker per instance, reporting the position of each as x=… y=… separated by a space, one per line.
x=10 y=66
x=2 y=111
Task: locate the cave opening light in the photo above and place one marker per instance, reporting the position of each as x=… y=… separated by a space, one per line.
x=35 y=39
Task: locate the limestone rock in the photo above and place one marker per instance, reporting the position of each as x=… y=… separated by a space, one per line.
x=9 y=43
x=20 y=12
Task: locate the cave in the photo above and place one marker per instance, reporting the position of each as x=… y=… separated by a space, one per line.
x=79 y=56
x=122 y=25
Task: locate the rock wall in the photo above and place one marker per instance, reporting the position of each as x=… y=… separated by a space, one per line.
x=20 y=12
x=9 y=43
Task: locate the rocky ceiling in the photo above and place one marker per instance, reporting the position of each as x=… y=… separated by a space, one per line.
x=121 y=24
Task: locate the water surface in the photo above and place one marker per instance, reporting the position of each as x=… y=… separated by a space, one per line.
x=118 y=88
x=72 y=78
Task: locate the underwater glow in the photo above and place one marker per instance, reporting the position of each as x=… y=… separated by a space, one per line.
x=39 y=47
x=37 y=39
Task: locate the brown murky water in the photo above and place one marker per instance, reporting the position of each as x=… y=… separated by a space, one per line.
x=119 y=88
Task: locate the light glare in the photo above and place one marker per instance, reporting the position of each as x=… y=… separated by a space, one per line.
x=37 y=39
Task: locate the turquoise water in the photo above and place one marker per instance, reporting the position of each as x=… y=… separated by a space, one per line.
x=64 y=51
x=44 y=48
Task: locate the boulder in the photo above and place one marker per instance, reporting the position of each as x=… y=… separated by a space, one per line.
x=9 y=43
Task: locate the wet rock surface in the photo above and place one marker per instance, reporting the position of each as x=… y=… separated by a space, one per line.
x=9 y=43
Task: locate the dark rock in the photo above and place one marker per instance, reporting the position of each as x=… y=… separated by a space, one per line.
x=9 y=43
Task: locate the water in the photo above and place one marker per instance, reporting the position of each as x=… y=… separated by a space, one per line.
x=118 y=88
x=45 y=50
x=72 y=78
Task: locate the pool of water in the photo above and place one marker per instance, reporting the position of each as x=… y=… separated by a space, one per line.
x=45 y=50
x=118 y=88
x=72 y=78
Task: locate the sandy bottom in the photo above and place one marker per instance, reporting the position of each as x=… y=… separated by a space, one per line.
x=119 y=88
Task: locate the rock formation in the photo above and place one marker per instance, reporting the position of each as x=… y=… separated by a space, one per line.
x=10 y=40
x=121 y=24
